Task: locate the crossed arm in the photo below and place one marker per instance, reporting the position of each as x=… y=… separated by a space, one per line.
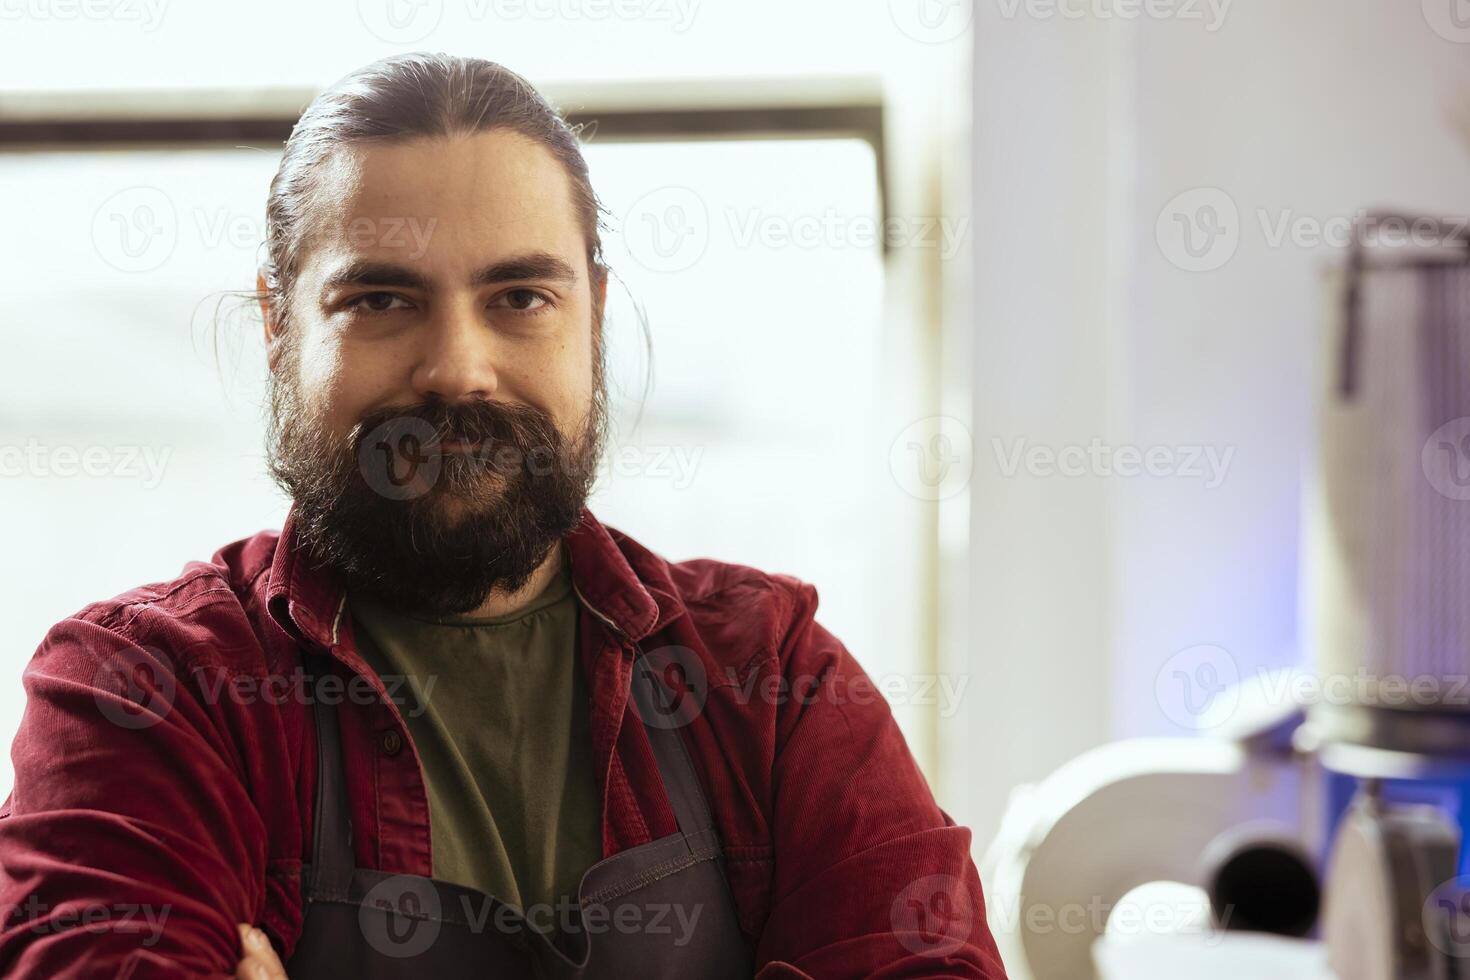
x=113 y=865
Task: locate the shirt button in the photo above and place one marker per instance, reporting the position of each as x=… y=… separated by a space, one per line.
x=391 y=741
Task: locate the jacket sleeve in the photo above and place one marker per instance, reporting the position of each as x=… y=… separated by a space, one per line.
x=129 y=846
x=872 y=878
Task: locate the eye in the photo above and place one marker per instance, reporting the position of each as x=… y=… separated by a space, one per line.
x=379 y=302
x=524 y=300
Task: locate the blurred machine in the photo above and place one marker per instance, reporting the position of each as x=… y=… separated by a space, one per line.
x=1336 y=822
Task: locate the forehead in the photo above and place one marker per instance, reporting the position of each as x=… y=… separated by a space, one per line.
x=467 y=199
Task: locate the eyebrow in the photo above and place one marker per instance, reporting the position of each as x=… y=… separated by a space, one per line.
x=532 y=265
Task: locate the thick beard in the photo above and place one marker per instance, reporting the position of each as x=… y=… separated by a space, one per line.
x=416 y=529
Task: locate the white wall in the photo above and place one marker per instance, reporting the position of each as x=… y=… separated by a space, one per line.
x=1302 y=112
x=1038 y=600
x=1082 y=588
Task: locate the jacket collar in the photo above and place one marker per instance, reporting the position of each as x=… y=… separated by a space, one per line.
x=307 y=599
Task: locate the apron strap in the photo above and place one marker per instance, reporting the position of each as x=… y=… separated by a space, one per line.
x=332 y=859
x=681 y=782
x=331 y=851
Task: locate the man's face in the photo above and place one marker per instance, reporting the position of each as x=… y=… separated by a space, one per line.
x=438 y=405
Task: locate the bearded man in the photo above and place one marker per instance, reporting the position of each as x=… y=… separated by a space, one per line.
x=445 y=722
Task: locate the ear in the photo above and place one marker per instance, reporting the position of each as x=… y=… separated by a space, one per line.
x=272 y=327
x=600 y=298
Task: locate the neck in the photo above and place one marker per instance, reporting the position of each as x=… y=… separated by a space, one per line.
x=500 y=603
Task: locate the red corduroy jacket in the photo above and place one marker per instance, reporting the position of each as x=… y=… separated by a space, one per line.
x=165 y=773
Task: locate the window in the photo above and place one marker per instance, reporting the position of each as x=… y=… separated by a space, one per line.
x=131 y=414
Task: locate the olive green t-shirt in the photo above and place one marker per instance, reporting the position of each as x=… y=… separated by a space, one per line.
x=498 y=709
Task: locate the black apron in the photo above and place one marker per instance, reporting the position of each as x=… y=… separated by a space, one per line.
x=659 y=910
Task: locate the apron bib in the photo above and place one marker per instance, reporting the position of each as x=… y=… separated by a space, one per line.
x=659 y=910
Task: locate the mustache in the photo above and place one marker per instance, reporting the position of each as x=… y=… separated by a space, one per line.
x=426 y=426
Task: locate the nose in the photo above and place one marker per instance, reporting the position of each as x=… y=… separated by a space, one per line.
x=457 y=359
